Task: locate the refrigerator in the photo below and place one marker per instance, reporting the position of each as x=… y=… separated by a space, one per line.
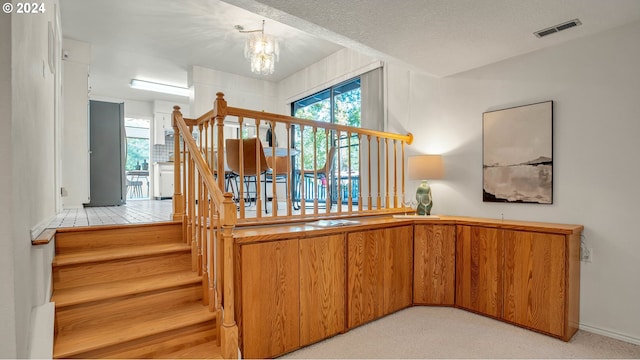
x=107 y=149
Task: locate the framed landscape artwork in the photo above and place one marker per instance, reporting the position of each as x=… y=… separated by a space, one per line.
x=517 y=161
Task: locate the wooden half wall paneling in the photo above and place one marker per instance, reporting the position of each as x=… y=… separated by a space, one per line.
x=479 y=254
x=270 y=298
x=322 y=288
x=434 y=258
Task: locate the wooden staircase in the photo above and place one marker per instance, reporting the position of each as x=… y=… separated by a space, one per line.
x=129 y=292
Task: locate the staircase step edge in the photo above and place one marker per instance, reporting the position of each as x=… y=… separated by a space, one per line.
x=105 y=255
x=122 y=288
x=129 y=333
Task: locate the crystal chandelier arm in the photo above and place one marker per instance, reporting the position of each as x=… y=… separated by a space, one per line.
x=243 y=31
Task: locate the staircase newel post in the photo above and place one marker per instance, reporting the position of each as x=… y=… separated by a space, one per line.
x=178 y=199
x=229 y=330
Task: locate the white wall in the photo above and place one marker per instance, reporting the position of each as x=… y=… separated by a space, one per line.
x=7 y=272
x=239 y=91
x=75 y=134
x=335 y=68
x=28 y=153
x=595 y=85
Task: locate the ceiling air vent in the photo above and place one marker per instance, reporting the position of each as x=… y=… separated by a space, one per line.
x=556 y=28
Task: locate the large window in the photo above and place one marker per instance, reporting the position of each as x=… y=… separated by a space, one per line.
x=340 y=104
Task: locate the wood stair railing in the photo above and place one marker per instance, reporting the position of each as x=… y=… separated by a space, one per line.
x=129 y=292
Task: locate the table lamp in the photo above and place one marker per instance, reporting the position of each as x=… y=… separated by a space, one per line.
x=423 y=167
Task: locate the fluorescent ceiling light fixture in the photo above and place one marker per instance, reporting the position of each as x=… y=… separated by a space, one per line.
x=161 y=88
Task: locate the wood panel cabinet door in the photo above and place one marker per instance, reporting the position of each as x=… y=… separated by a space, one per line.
x=365 y=276
x=479 y=252
x=398 y=268
x=434 y=264
x=534 y=280
x=322 y=288
x=270 y=298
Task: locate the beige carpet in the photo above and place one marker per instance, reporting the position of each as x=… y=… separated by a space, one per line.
x=448 y=333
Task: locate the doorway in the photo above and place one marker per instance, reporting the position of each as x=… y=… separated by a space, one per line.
x=137 y=165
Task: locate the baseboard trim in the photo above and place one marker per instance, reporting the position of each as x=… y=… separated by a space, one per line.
x=41 y=342
x=609 y=333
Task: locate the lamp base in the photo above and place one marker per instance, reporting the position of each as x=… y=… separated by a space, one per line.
x=423 y=197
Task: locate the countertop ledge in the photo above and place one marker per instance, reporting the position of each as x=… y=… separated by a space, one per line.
x=303 y=230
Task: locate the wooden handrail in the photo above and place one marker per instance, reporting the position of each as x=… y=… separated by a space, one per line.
x=252 y=114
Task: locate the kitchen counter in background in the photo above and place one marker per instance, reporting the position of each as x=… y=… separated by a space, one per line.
x=163 y=180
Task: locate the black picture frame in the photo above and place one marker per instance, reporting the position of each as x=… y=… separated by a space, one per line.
x=517 y=154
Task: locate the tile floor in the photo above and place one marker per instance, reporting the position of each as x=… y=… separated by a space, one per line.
x=133 y=212
x=146 y=211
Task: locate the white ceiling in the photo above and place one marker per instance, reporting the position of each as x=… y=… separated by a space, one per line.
x=161 y=39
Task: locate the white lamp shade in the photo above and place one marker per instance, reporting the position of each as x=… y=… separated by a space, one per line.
x=426 y=167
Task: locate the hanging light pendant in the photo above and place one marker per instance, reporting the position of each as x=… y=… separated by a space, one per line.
x=261 y=50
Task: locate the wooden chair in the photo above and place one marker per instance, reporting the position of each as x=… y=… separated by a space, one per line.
x=323 y=173
x=230 y=177
x=251 y=169
x=281 y=169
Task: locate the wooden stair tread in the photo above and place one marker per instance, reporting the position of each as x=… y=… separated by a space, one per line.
x=207 y=350
x=117 y=253
x=118 y=332
x=103 y=291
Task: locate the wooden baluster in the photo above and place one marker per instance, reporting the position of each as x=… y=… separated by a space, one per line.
x=183 y=156
x=241 y=189
x=360 y=206
x=202 y=140
x=386 y=184
x=328 y=175
x=303 y=192
x=258 y=171
x=274 y=199
x=188 y=220
x=369 y=197
x=349 y=172
x=379 y=198
x=199 y=225
x=218 y=245
x=315 y=169
x=202 y=203
x=339 y=172
x=178 y=200
x=402 y=173
x=211 y=253
x=192 y=215
x=395 y=174
x=198 y=193
x=290 y=175
x=211 y=259
x=209 y=153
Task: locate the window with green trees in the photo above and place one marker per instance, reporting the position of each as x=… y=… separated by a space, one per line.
x=340 y=104
x=137 y=133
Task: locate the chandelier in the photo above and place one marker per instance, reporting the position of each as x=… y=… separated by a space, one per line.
x=261 y=50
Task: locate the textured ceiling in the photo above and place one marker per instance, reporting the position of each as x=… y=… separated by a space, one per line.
x=444 y=37
x=161 y=39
